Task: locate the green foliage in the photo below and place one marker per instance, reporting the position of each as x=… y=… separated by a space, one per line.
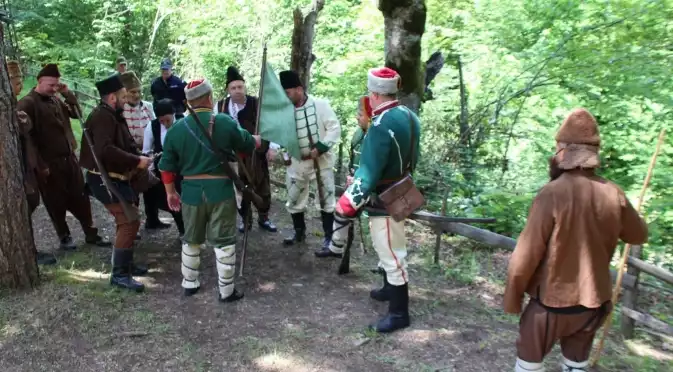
x=524 y=65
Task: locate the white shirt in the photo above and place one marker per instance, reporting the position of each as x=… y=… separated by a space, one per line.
x=138 y=119
x=148 y=138
x=272 y=145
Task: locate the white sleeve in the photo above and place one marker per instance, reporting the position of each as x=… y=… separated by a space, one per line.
x=150 y=109
x=148 y=139
x=274 y=146
x=330 y=122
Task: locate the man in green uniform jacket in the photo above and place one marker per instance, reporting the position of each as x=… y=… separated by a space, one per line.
x=385 y=159
x=208 y=202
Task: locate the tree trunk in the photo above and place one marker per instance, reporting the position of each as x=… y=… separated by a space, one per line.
x=404 y=22
x=18 y=265
x=302 y=42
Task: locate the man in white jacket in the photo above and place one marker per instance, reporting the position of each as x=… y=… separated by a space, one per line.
x=317 y=124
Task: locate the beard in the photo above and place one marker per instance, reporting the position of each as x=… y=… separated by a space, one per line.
x=554 y=170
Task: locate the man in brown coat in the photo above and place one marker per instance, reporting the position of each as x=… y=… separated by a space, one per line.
x=29 y=154
x=562 y=257
x=60 y=178
x=119 y=155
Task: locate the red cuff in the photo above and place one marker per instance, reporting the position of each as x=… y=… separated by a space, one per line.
x=346 y=207
x=167 y=177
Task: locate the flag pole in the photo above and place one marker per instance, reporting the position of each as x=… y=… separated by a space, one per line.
x=248 y=212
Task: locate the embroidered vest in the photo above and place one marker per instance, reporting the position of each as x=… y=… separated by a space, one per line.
x=306 y=119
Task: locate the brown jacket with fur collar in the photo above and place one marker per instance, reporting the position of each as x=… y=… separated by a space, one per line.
x=562 y=257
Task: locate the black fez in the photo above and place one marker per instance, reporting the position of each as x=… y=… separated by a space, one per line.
x=110 y=85
x=289 y=79
x=50 y=70
x=164 y=107
x=233 y=75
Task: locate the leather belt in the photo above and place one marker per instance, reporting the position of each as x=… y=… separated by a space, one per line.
x=118 y=176
x=205 y=177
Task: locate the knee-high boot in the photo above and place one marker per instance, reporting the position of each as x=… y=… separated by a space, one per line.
x=398 y=311
x=327 y=227
x=299 y=229
x=122 y=263
x=382 y=294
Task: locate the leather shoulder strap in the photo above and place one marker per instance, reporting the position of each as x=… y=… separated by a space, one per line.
x=211 y=125
x=410 y=167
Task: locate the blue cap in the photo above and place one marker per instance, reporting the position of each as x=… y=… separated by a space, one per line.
x=166 y=64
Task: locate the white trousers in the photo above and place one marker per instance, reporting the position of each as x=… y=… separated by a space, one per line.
x=389 y=243
x=300 y=179
x=225 y=258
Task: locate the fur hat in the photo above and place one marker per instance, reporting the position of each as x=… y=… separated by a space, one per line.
x=580 y=139
x=164 y=107
x=50 y=70
x=233 y=75
x=197 y=88
x=130 y=80
x=109 y=85
x=14 y=69
x=289 y=79
x=383 y=80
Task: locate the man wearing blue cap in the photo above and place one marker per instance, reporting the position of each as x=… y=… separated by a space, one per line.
x=169 y=86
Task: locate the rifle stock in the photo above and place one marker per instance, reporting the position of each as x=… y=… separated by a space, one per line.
x=129 y=212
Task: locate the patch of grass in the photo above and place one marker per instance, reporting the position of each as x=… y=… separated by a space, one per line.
x=463 y=268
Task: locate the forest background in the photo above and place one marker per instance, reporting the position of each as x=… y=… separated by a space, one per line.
x=513 y=69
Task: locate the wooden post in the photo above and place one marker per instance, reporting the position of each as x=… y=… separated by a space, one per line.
x=630 y=296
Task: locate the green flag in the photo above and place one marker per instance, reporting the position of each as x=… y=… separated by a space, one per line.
x=276 y=118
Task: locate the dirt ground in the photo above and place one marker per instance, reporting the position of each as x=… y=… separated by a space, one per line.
x=298 y=315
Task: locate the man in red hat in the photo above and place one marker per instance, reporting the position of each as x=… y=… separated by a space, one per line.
x=562 y=257
x=390 y=151
x=60 y=178
x=243 y=109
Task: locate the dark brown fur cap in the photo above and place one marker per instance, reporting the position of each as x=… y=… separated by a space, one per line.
x=579 y=127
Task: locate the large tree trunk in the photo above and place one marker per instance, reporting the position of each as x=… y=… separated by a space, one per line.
x=404 y=22
x=302 y=42
x=18 y=265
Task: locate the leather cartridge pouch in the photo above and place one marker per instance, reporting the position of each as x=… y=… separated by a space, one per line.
x=403 y=198
x=142 y=180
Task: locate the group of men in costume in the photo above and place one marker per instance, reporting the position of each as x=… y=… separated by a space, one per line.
x=561 y=260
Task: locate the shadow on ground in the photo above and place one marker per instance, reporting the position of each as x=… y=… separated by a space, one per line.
x=298 y=315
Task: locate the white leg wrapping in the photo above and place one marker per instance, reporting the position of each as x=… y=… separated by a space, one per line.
x=297 y=183
x=327 y=178
x=523 y=366
x=239 y=196
x=569 y=366
x=191 y=261
x=390 y=245
x=226 y=266
x=340 y=234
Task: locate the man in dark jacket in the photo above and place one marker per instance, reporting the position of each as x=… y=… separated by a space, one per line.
x=116 y=150
x=59 y=176
x=243 y=109
x=169 y=86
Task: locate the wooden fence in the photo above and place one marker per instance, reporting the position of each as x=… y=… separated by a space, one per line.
x=630 y=284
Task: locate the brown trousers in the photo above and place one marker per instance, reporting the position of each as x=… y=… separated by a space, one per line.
x=126 y=230
x=540 y=329
x=63 y=190
x=262 y=185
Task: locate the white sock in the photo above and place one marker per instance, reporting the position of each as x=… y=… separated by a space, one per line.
x=523 y=366
x=570 y=366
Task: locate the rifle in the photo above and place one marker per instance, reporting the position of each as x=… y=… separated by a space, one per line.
x=316 y=166
x=344 y=267
x=247 y=191
x=248 y=212
x=129 y=212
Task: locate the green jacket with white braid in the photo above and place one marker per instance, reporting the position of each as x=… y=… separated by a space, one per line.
x=385 y=156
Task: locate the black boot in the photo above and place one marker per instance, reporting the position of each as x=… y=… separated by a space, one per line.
x=382 y=294
x=45 y=258
x=122 y=260
x=152 y=212
x=139 y=270
x=398 y=311
x=265 y=224
x=232 y=297
x=242 y=212
x=327 y=228
x=67 y=244
x=98 y=241
x=299 y=229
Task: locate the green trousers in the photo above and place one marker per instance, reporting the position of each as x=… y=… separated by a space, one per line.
x=214 y=223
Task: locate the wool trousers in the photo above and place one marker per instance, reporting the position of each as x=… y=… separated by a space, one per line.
x=62 y=191
x=126 y=230
x=215 y=224
x=540 y=329
x=300 y=178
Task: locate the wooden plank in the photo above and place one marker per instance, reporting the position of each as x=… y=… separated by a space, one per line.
x=648 y=321
x=630 y=296
x=650 y=269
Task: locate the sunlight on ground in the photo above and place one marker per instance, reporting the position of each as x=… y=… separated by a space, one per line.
x=88 y=276
x=10 y=330
x=641 y=349
x=280 y=362
x=267 y=287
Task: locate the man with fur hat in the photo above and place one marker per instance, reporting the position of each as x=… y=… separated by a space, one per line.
x=390 y=151
x=29 y=154
x=170 y=86
x=139 y=114
x=207 y=200
x=116 y=150
x=243 y=109
x=562 y=257
x=316 y=123
x=59 y=177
